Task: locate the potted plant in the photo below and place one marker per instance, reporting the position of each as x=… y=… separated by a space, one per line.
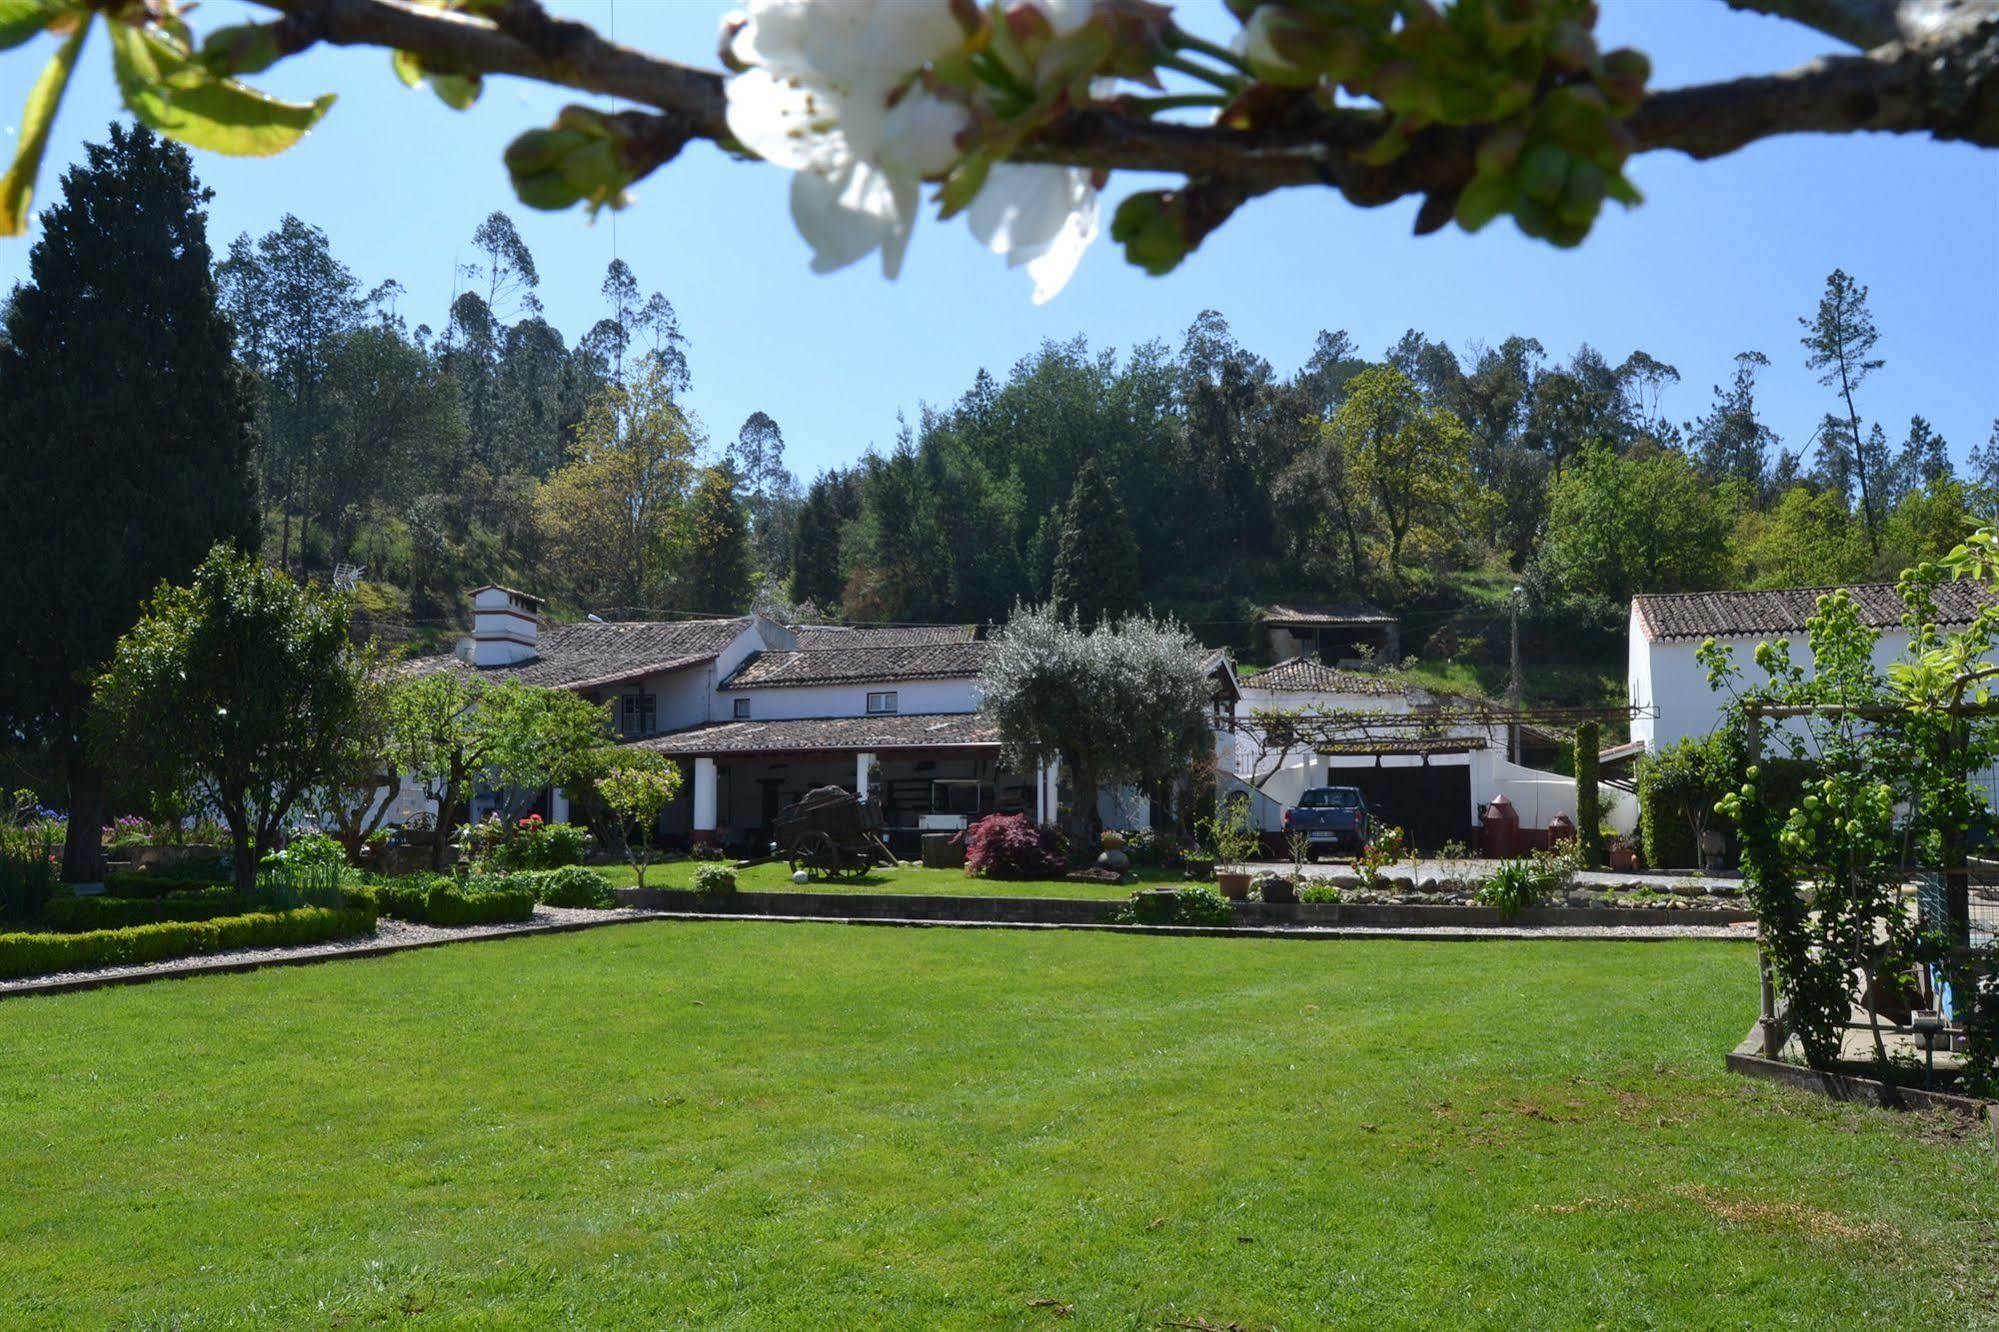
x=1236 y=842
x=1624 y=854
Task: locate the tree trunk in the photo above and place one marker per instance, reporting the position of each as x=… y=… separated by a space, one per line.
x=243 y=858
x=1082 y=824
x=82 y=848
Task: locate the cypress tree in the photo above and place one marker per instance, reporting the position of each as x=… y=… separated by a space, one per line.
x=1096 y=565
x=1589 y=806
x=128 y=439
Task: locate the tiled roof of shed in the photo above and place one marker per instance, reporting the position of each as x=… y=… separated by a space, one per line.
x=935 y=661
x=1354 y=612
x=1693 y=615
x=578 y=656
x=1303 y=675
x=803 y=735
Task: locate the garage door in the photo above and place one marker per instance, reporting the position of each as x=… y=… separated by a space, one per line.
x=1431 y=804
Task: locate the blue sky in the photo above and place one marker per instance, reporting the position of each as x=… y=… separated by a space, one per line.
x=1722 y=257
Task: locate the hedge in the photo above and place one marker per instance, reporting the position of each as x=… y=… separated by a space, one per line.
x=68 y=915
x=434 y=899
x=38 y=954
x=159 y=882
x=574 y=886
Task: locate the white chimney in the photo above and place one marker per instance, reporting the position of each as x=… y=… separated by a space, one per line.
x=503 y=626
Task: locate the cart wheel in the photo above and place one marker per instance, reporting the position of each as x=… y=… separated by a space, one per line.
x=816 y=854
x=854 y=867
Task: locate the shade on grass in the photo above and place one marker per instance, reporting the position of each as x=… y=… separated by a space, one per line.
x=775 y=876
x=744 y=1124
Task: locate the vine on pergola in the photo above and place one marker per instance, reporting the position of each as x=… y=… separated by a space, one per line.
x=1016 y=112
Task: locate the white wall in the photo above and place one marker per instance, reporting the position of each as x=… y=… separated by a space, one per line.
x=850 y=700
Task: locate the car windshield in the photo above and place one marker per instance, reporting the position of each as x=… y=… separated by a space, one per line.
x=1331 y=797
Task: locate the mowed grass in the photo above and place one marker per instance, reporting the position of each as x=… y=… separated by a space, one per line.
x=775 y=877
x=741 y=1124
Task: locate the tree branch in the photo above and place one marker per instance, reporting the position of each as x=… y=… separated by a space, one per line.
x=1936 y=72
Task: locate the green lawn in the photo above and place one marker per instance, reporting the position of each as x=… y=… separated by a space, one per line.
x=786 y=1126
x=776 y=877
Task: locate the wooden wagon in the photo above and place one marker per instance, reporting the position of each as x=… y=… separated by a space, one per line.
x=830 y=833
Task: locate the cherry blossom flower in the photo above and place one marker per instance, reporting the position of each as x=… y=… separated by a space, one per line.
x=834 y=91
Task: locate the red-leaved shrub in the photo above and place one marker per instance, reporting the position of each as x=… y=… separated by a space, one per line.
x=1010 y=846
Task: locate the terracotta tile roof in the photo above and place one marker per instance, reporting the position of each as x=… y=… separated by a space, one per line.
x=1353 y=612
x=1303 y=675
x=803 y=735
x=934 y=661
x=1695 y=615
x=818 y=637
x=580 y=656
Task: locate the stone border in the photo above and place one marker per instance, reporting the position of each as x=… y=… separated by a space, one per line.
x=1748 y=1060
x=1092 y=911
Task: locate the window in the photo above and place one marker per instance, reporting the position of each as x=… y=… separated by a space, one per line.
x=637 y=715
x=741 y=709
x=881 y=702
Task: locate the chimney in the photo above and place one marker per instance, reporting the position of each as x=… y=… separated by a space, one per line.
x=504 y=626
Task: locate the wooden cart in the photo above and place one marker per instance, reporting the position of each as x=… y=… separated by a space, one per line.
x=830 y=833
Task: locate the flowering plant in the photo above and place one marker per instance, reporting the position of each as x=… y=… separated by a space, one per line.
x=866 y=100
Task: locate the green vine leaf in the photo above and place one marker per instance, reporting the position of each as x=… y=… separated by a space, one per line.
x=17 y=187
x=167 y=89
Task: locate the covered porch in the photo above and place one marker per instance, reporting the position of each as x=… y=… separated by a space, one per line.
x=930 y=773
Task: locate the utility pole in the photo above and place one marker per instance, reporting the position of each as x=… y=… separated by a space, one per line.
x=1513 y=684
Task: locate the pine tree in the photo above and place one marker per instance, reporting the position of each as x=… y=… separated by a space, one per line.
x=128 y=441
x=718 y=554
x=1096 y=567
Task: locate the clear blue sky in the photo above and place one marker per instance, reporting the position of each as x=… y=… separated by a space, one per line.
x=1722 y=257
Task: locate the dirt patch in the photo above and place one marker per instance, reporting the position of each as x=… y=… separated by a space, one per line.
x=1796 y=1216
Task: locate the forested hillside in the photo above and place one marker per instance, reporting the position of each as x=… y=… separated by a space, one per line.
x=1428 y=478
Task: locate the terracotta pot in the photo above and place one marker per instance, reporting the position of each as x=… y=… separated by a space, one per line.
x=1624 y=861
x=1235 y=887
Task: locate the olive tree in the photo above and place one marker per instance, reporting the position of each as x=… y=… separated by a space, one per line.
x=1125 y=702
x=242 y=686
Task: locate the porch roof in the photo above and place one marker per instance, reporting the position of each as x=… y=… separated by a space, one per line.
x=821 y=735
x=1408 y=744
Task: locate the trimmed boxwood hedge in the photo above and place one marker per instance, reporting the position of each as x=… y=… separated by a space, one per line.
x=434 y=899
x=574 y=886
x=37 y=954
x=67 y=915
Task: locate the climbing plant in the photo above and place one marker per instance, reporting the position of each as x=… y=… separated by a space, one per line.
x=1889 y=756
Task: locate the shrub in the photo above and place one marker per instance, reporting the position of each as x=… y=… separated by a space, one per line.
x=1180 y=906
x=75 y=914
x=438 y=899
x=535 y=845
x=1010 y=846
x=37 y=954
x=160 y=882
x=574 y=886
x=447 y=904
x=1513 y=887
x=714 y=878
x=1386 y=849
x=308 y=872
x=1319 y=891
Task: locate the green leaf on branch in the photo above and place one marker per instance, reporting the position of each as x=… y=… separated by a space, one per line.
x=167 y=89
x=585 y=157
x=17 y=187
x=20 y=20
x=457 y=91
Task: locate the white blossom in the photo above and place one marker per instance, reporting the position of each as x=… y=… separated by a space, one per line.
x=831 y=90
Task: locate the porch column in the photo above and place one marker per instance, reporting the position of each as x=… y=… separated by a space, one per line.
x=862 y=762
x=704 y=800
x=558 y=806
x=1047 y=786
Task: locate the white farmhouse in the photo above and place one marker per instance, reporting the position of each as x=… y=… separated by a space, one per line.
x=1669 y=690
x=759 y=712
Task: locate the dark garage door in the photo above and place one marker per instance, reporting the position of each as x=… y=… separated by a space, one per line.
x=1431 y=804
